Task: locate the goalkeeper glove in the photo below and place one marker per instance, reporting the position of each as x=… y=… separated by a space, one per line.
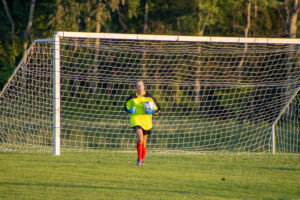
x=150 y=111
x=132 y=110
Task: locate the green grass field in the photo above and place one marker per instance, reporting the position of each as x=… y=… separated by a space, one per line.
x=113 y=175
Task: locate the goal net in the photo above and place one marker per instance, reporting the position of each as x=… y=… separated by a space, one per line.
x=215 y=94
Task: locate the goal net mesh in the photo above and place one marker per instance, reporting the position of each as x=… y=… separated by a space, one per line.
x=213 y=96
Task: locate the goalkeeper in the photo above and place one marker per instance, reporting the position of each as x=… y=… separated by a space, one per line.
x=141 y=119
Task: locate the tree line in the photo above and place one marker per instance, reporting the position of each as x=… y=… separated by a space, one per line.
x=22 y=21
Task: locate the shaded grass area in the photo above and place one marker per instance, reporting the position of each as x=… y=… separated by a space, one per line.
x=113 y=175
x=168 y=133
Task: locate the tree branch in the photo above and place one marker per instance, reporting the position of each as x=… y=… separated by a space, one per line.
x=9 y=17
x=121 y=16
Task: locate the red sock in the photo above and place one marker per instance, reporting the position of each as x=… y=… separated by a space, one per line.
x=143 y=153
x=139 y=149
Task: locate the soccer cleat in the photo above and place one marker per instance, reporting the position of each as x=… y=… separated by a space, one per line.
x=142 y=163
x=139 y=162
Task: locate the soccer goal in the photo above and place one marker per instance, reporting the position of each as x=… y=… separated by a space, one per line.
x=218 y=94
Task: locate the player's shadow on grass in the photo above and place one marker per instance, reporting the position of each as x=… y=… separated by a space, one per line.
x=87 y=187
x=279 y=168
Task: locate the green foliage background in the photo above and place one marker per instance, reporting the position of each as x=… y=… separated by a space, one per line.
x=269 y=18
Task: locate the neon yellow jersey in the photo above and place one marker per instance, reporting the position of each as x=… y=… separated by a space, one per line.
x=140 y=118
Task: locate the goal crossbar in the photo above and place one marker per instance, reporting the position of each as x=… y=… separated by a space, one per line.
x=64 y=34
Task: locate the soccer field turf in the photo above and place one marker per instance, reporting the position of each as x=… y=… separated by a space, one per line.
x=113 y=175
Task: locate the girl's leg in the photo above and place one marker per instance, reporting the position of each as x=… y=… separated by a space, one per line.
x=139 y=145
x=144 y=148
x=139 y=135
x=145 y=141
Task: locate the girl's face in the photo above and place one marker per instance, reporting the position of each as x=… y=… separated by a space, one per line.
x=140 y=86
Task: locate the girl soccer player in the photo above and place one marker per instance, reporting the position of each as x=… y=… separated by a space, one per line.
x=141 y=119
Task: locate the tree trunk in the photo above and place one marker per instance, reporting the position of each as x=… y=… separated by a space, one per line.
x=94 y=83
x=287 y=18
x=292 y=15
x=146 y=16
x=248 y=18
x=255 y=8
x=29 y=24
x=144 y=56
x=201 y=27
x=10 y=20
x=293 y=19
x=98 y=20
x=59 y=13
x=239 y=69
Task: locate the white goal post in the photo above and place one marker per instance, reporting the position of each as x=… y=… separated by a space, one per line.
x=216 y=93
